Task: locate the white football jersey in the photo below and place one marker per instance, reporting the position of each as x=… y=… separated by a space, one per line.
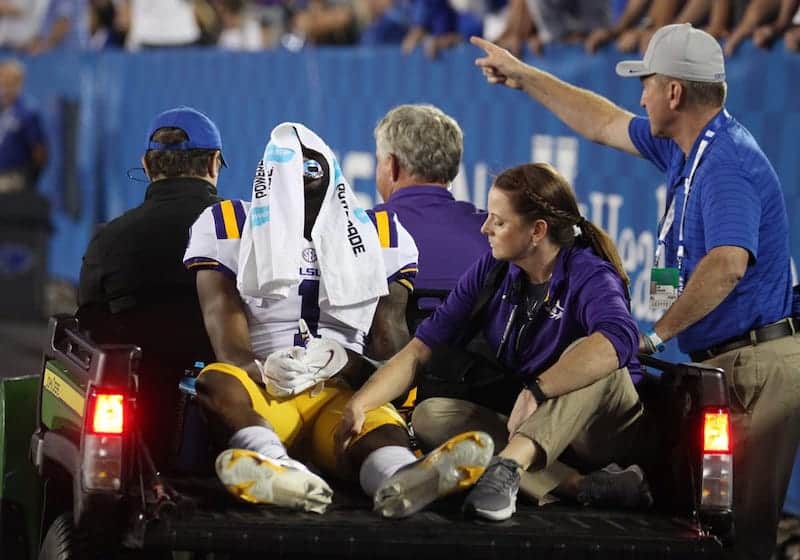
x=214 y=245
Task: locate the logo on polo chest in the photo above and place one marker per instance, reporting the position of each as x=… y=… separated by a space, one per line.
x=555 y=311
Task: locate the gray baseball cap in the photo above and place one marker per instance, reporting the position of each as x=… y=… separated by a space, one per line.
x=679 y=51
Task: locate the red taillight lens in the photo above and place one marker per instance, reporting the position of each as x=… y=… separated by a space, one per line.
x=106 y=413
x=716 y=431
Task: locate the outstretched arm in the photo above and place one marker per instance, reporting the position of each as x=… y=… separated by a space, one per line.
x=592 y=116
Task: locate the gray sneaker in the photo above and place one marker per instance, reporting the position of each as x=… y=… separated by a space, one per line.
x=614 y=486
x=495 y=495
x=455 y=465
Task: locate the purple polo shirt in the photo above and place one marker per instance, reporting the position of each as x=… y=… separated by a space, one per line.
x=586 y=296
x=447 y=233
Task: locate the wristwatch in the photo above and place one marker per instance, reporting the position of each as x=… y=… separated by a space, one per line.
x=536 y=391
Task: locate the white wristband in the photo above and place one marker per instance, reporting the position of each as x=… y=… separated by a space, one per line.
x=655 y=339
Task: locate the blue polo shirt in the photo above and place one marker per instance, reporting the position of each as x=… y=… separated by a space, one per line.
x=20 y=131
x=585 y=296
x=735 y=200
x=447 y=233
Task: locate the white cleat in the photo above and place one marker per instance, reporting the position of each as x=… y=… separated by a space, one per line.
x=455 y=465
x=251 y=477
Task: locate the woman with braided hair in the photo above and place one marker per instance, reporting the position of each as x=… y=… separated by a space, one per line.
x=558 y=321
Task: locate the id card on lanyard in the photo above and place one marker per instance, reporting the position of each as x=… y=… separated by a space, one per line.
x=667 y=283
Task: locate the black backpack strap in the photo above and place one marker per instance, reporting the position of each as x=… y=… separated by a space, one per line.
x=492 y=282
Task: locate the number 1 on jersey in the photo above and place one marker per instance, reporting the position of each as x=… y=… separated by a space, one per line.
x=309 y=308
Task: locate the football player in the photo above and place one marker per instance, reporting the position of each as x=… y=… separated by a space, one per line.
x=287 y=365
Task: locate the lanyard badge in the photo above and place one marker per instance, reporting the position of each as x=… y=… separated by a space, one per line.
x=663 y=287
x=666 y=283
x=664 y=280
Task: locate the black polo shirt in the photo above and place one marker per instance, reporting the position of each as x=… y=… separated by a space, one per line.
x=138 y=256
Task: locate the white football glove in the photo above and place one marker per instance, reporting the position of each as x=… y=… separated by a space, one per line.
x=291 y=371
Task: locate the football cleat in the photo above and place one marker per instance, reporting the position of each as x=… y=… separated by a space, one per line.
x=453 y=466
x=254 y=478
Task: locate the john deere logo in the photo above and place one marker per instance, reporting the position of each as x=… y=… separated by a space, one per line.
x=15 y=259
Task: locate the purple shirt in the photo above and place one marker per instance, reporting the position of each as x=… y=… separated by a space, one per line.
x=447 y=233
x=586 y=296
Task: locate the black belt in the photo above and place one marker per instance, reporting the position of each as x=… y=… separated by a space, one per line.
x=784 y=327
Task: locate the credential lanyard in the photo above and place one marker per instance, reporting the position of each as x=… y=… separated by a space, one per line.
x=669 y=217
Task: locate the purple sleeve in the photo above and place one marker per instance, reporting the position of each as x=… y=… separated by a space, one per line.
x=444 y=325
x=656 y=150
x=603 y=308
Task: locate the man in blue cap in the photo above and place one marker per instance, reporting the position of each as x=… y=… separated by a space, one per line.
x=723 y=240
x=133 y=285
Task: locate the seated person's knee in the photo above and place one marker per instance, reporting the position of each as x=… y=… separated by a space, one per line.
x=219 y=391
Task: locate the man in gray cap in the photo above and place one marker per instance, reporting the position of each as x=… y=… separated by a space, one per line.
x=723 y=238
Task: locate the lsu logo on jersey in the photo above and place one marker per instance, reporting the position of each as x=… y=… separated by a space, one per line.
x=310 y=270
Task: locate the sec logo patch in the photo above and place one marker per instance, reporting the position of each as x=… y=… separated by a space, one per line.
x=309 y=255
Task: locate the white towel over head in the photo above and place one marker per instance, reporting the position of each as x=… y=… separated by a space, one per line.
x=353 y=275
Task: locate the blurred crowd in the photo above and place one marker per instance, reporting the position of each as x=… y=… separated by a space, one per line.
x=36 y=26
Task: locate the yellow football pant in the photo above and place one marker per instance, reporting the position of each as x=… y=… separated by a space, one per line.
x=303 y=417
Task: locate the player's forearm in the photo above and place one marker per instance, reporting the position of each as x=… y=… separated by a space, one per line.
x=231 y=341
x=385 y=343
x=389 y=332
x=225 y=319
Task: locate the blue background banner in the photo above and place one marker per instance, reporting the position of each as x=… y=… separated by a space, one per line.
x=98 y=105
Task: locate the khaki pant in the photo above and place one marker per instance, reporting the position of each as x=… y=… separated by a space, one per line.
x=599 y=423
x=764 y=386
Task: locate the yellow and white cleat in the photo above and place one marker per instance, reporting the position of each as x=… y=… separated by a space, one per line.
x=455 y=465
x=251 y=477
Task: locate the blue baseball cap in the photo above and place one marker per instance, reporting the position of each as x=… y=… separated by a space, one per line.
x=202 y=133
